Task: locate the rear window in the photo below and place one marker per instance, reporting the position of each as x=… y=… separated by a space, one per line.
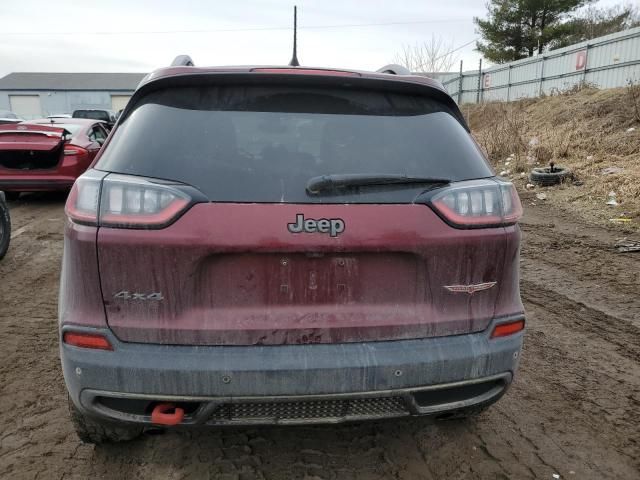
x=262 y=144
x=71 y=128
x=92 y=114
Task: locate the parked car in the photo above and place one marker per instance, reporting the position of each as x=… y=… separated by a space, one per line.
x=107 y=116
x=8 y=117
x=47 y=154
x=283 y=246
x=5 y=226
x=60 y=115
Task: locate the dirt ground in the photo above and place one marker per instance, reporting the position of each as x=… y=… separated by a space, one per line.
x=573 y=411
x=593 y=133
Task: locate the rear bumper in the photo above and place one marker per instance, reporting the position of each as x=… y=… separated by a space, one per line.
x=292 y=383
x=29 y=184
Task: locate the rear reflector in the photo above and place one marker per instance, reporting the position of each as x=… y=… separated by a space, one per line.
x=122 y=201
x=506 y=329
x=478 y=204
x=86 y=340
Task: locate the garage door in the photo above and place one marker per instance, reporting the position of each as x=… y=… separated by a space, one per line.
x=26 y=106
x=118 y=102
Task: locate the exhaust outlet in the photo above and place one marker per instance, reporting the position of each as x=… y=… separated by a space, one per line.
x=167 y=414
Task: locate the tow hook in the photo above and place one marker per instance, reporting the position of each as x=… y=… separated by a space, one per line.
x=167 y=414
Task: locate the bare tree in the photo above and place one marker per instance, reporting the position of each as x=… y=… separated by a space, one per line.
x=434 y=55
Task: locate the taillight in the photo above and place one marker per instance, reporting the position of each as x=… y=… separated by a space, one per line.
x=130 y=202
x=478 y=203
x=506 y=329
x=83 y=201
x=73 y=150
x=122 y=201
x=86 y=340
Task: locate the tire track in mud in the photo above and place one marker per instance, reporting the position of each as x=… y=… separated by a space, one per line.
x=576 y=315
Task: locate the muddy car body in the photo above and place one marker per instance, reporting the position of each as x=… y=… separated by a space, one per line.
x=287 y=245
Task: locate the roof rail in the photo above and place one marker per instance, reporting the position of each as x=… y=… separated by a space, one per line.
x=394 y=69
x=182 y=61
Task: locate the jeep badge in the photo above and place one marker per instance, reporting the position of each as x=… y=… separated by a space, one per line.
x=332 y=226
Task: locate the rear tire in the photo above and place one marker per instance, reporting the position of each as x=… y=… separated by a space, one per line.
x=5 y=229
x=91 y=430
x=12 y=196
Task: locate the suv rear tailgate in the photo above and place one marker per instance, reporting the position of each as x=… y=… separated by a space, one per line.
x=224 y=275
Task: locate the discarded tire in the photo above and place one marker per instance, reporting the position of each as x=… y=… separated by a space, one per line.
x=5 y=227
x=549 y=175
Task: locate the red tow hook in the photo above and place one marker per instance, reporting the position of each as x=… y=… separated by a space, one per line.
x=167 y=414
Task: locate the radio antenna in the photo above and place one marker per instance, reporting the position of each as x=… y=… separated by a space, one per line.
x=294 y=60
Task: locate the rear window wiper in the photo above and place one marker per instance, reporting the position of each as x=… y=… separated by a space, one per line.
x=324 y=183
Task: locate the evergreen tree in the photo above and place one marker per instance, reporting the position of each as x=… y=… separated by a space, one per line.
x=518 y=29
x=597 y=22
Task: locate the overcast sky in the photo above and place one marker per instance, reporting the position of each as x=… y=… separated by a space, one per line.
x=140 y=35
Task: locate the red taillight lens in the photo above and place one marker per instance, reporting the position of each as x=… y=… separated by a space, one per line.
x=121 y=201
x=73 y=150
x=130 y=202
x=478 y=203
x=86 y=340
x=82 y=204
x=506 y=329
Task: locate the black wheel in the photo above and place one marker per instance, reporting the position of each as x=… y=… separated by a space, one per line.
x=12 y=196
x=5 y=228
x=91 y=430
x=549 y=175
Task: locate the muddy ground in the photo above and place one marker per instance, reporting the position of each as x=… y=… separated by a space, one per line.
x=573 y=411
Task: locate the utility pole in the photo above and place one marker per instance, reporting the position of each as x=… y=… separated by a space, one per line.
x=479 y=82
x=460 y=84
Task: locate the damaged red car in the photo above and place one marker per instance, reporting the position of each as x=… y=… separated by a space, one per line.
x=47 y=154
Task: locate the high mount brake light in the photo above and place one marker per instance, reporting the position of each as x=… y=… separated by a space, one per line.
x=307 y=71
x=121 y=201
x=478 y=203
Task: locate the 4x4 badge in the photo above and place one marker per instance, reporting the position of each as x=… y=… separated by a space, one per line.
x=332 y=226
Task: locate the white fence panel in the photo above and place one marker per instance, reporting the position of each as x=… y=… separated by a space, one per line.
x=608 y=62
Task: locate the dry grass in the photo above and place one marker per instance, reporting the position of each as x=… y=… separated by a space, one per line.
x=585 y=129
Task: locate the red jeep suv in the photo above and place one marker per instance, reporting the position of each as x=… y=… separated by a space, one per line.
x=287 y=245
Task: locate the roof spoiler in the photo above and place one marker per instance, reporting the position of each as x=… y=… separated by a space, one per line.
x=182 y=61
x=394 y=69
x=54 y=132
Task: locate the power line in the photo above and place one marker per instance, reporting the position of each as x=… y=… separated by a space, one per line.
x=254 y=29
x=457 y=48
x=422 y=65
